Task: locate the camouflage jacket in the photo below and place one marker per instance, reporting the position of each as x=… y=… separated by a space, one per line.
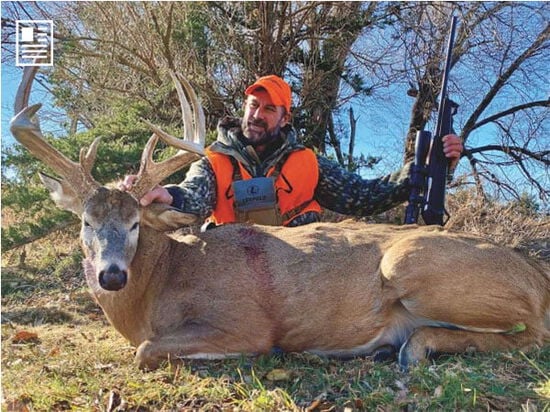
x=337 y=190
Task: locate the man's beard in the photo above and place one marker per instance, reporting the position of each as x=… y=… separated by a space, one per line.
x=256 y=139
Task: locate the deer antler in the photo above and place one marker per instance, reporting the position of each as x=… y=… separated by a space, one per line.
x=78 y=176
x=24 y=126
x=193 y=122
x=191 y=147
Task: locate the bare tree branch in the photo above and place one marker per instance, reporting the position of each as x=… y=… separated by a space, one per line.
x=512 y=150
x=502 y=79
x=353 y=127
x=507 y=112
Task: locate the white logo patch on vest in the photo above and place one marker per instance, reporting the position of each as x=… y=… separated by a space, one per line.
x=254 y=194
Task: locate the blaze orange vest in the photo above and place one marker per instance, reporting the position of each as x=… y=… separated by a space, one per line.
x=294 y=185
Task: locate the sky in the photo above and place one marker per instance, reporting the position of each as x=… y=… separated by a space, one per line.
x=381 y=127
x=10 y=79
x=371 y=140
x=381 y=130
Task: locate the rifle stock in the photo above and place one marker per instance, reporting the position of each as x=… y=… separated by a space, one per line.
x=428 y=176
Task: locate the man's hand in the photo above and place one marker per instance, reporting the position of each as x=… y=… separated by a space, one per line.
x=452 y=147
x=157 y=195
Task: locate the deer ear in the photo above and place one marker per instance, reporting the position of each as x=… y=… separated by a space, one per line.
x=163 y=217
x=62 y=194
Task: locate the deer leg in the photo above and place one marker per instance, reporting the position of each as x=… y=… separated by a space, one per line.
x=427 y=341
x=384 y=353
x=178 y=347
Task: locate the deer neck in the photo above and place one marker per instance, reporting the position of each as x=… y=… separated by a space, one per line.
x=129 y=309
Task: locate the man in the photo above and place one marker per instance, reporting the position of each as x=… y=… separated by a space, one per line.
x=257 y=171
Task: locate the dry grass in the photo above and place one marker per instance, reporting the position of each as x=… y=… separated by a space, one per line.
x=503 y=224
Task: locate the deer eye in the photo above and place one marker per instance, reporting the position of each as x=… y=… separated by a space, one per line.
x=86 y=224
x=134 y=226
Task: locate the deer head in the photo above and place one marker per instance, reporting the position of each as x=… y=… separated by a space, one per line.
x=111 y=218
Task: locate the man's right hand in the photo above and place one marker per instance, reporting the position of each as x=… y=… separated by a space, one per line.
x=158 y=194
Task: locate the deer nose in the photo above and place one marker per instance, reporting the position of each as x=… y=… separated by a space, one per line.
x=113 y=278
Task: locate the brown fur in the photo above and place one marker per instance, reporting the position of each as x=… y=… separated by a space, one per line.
x=341 y=289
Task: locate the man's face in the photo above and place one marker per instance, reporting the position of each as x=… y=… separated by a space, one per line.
x=262 y=120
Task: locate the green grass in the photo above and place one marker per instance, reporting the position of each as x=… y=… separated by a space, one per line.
x=79 y=362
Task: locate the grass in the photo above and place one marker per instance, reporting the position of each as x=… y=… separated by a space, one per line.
x=72 y=359
x=78 y=362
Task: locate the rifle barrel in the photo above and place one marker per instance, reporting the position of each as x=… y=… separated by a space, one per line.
x=444 y=81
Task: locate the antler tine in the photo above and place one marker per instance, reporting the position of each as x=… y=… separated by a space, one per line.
x=186 y=113
x=150 y=173
x=26 y=131
x=170 y=140
x=87 y=157
x=191 y=147
x=194 y=124
x=24 y=89
x=200 y=125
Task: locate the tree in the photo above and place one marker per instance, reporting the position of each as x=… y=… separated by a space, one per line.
x=112 y=61
x=500 y=50
x=110 y=51
x=307 y=42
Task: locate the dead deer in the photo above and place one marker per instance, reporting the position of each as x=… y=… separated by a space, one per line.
x=347 y=289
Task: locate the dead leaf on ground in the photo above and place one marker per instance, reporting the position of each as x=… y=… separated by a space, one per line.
x=17 y=405
x=438 y=391
x=24 y=336
x=277 y=375
x=86 y=336
x=103 y=366
x=61 y=405
x=54 y=351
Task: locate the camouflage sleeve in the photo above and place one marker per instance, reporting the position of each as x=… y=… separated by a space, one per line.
x=349 y=194
x=197 y=193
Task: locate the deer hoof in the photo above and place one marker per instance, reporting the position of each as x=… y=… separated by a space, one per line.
x=146 y=359
x=412 y=352
x=384 y=353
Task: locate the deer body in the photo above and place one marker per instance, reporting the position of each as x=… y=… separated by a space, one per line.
x=343 y=289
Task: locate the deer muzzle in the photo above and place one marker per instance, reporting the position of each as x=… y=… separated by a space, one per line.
x=113 y=278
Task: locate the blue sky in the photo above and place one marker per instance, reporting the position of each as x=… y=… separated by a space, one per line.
x=11 y=76
x=382 y=120
x=10 y=79
x=370 y=138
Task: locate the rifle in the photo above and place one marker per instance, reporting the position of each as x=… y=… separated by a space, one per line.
x=428 y=176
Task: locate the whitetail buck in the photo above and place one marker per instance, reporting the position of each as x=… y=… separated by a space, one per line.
x=345 y=289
